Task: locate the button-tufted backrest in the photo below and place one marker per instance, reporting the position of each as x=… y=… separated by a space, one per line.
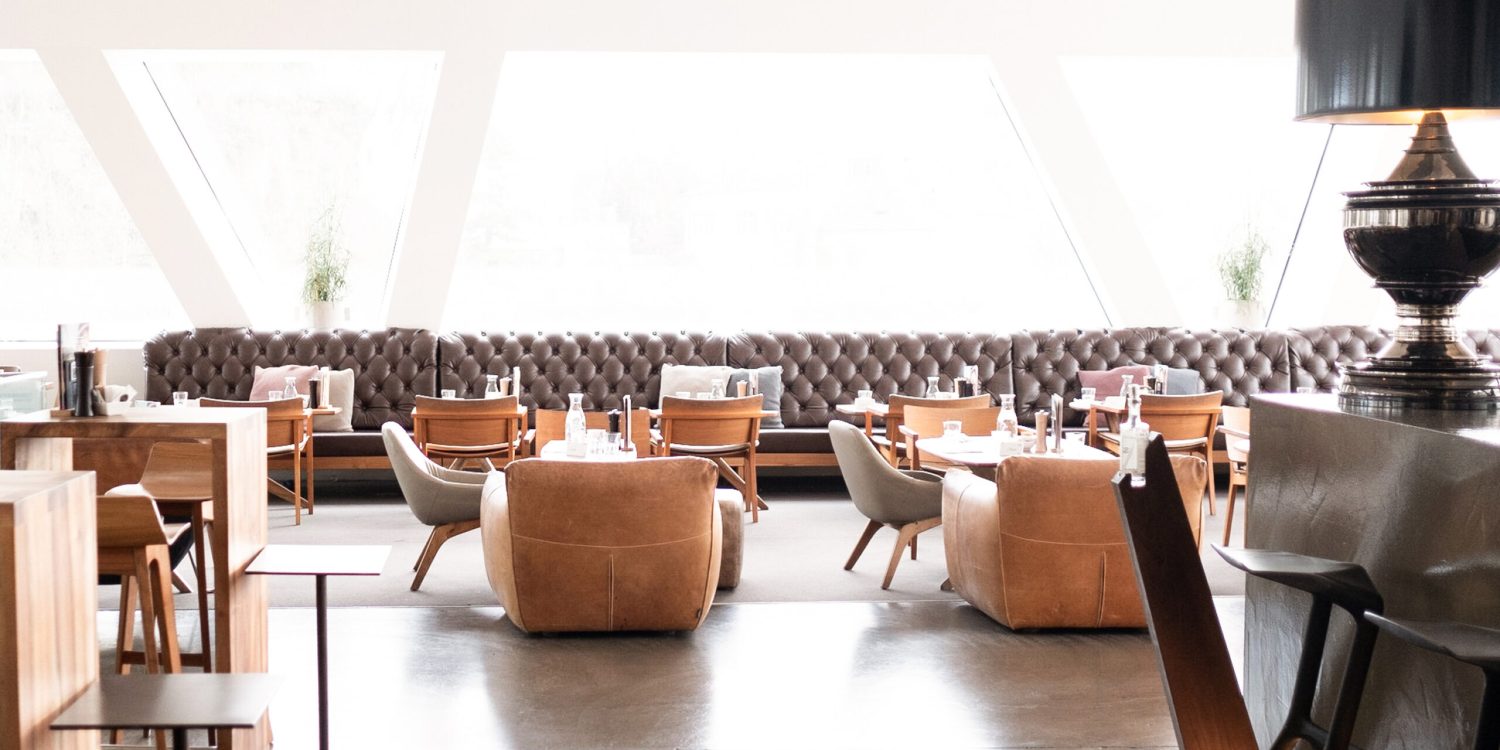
x=822 y=370
x=1316 y=353
x=546 y=367
x=390 y=366
x=1239 y=363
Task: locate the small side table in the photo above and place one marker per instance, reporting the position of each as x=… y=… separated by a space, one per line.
x=175 y=702
x=320 y=561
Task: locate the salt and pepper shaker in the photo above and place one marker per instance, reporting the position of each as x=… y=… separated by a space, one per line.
x=614 y=426
x=742 y=388
x=1041 y=432
x=625 y=432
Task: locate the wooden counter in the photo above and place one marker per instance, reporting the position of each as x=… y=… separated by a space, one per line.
x=238 y=439
x=49 y=647
x=1415 y=499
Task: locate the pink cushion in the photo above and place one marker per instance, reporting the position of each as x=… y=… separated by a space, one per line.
x=1108 y=382
x=274 y=379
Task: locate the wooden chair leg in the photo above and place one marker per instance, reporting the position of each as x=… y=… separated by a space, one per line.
x=125 y=639
x=750 y=482
x=435 y=541
x=1229 y=509
x=309 y=468
x=200 y=566
x=180 y=586
x=144 y=578
x=166 y=616
x=864 y=541
x=913 y=548
x=297 y=484
x=908 y=534
x=1209 y=457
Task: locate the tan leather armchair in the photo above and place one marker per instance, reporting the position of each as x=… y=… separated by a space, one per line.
x=1043 y=547
x=573 y=546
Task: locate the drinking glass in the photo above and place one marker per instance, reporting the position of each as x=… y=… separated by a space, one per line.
x=450 y=393
x=865 y=397
x=596 y=441
x=273 y=396
x=179 y=398
x=1306 y=389
x=1087 y=394
x=306 y=400
x=704 y=395
x=953 y=429
x=290 y=388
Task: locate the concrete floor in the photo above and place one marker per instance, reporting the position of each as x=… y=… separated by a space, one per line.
x=929 y=674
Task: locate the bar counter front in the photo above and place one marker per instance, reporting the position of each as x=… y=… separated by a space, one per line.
x=1413 y=497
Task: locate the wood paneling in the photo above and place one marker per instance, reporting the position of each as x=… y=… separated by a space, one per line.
x=238 y=440
x=49 y=648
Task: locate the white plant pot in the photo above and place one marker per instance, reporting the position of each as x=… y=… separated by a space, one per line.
x=1242 y=313
x=325 y=315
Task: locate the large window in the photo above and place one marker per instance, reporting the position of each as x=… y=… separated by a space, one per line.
x=69 y=251
x=283 y=139
x=732 y=191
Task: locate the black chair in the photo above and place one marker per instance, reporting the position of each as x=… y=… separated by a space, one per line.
x=1208 y=710
x=1469 y=644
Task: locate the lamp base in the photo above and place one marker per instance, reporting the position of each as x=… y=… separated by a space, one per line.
x=1399 y=384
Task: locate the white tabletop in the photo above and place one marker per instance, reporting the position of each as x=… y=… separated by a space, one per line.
x=557 y=450
x=984 y=451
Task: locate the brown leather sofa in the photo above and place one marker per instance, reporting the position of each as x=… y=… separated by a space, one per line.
x=1042 y=545
x=819 y=369
x=649 y=561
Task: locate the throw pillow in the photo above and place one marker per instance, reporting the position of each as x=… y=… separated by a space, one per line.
x=1107 y=383
x=691 y=379
x=341 y=394
x=1184 y=382
x=274 y=379
x=768 y=380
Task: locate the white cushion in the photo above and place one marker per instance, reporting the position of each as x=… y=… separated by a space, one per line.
x=691 y=379
x=340 y=394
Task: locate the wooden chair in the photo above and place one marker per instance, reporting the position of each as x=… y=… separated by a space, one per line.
x=716 y=429
x=179 y=477
x=469 y=429
x=133 y=544
x=1187 y=423
x=926 y=421
x=288 y=433
x=1236 y=430
x=1208 y=710
x=551 y=424
x=891 y=443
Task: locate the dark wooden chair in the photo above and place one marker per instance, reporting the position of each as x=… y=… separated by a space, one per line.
x=1208 y=710
x=1469 y=644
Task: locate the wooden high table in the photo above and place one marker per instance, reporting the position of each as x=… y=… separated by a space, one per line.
x=238 y=439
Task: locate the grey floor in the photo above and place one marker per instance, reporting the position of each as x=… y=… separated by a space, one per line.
x=847 y=666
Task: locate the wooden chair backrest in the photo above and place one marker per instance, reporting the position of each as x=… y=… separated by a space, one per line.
x=285 y=422
x=1183 y=417
x=1237 y=418
x=1202 y=691
x=128 y=522
x=179 y=471
x=720 y=421
x=928 y=422
x=896 y=405
x=466 y=421
x=552 y=424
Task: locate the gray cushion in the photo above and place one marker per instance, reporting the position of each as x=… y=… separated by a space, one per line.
x=768 y=379
x=1184 y=382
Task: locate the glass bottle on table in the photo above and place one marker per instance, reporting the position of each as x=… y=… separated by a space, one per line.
x=290 y=390
x=492 y=387
x=1007 y=423
x=576 y=427
x=1125 y=386
x=932 y=388
x=1135 y=435
x=716 y=390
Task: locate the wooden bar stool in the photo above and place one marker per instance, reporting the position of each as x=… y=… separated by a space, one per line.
x=133 y=544
x=178 y=478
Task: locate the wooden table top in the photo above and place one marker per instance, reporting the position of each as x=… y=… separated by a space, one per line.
x=320 y=560
x=19 y=485
x=984 y=451
x=876 y=408
x=171 y=701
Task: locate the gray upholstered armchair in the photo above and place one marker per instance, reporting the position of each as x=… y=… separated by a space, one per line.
x=444 y=499
x=910 y=502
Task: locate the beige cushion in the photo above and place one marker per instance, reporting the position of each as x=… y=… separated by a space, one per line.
x=340 y=394
x=1172 y=445
x=691 y=379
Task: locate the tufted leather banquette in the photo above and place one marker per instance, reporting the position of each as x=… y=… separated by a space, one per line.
x=819 y=370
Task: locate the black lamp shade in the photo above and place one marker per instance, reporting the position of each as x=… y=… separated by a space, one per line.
x=1386 y=61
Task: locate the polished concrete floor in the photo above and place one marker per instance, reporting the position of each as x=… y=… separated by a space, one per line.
x=932 y=674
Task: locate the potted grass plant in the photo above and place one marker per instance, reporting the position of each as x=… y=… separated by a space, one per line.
x=1240 y=272
x=327 y=267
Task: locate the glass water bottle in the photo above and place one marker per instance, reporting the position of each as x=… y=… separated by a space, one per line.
x=291 y=388
x=1007 y=423
x=576 y=427
x=1135 y=435
x=717 y=389
x=932 y=388
x=1125 y=386
x=492 y=386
